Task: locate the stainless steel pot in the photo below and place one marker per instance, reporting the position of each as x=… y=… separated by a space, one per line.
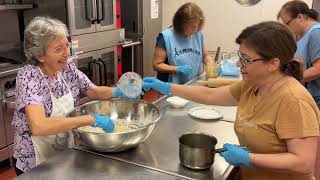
x=197 y=150
x=144 y=115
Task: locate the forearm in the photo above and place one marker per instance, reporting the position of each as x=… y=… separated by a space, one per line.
x=204 y=95
x=100 y=92
x=284 y=162
x=54 y=125
x=165 y=68
x=310 y=74
x=194 y=93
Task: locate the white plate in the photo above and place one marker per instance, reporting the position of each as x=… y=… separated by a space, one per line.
x=177 y=102
x=205 y=112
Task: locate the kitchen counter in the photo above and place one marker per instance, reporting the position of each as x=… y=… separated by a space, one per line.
x=161 y=149
x=158 y=155
x=74 y=164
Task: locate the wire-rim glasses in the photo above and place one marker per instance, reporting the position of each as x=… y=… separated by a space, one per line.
x=245 y=61
x=62 y=48
x=287 y=23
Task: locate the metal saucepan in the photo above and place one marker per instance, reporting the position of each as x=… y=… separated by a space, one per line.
x=197 y=150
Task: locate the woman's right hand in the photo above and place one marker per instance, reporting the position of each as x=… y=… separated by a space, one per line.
x=184 y=69
x=103 y=122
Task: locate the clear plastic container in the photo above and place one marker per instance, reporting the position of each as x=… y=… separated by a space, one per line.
x=130 y=84
x=212 y=70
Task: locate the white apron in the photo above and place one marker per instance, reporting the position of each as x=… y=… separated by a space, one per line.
x=47 y=146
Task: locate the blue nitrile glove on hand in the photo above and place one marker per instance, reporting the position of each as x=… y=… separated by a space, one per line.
x=236 y=155
x=103 y=122
x=117 y=92
x=156 y=84
x=184 y=70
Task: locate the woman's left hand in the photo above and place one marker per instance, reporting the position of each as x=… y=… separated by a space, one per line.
x=117 y=92
x=236 y=155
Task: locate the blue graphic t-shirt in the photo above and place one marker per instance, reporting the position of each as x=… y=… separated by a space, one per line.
x=309 y=51
x=184 y=50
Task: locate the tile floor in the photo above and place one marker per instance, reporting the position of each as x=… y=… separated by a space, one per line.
x=6 y=171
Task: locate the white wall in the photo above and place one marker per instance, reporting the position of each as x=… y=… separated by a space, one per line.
x=225 y=19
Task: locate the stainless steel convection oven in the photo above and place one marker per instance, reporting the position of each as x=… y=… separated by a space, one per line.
x=7 y=105
x=94 y=34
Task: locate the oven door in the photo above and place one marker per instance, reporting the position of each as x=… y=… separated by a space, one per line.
x=82 y=15
x=108 y=58
x=86 y=63
x=106 y=15
x=8 y=109
x=100 y=66
x=3 y=141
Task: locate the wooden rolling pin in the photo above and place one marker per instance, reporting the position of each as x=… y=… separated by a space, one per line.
x=218 y=82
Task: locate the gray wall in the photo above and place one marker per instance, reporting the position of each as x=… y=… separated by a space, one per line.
x=9 y=30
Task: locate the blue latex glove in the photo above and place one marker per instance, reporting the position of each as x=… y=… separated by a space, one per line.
x=153 y=83
x=236 y=155
x=103 y=122
x=184 y=70
x=118 y=93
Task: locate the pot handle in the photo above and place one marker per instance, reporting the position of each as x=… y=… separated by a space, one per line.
x=219 y=150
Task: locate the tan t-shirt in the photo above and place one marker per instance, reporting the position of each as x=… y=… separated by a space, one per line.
x=263 y=124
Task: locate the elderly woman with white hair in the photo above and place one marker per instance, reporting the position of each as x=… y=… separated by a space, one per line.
x=47 y=88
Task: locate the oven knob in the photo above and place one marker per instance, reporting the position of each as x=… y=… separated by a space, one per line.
x=8 y=85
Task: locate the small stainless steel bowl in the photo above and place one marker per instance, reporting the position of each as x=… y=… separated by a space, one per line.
x=139 y=112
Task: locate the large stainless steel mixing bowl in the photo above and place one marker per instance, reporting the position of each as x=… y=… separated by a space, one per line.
x=140 y=113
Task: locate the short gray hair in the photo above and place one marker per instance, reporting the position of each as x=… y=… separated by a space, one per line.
x=37 y=35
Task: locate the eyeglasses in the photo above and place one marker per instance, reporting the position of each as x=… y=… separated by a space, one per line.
x=245 y=61
x=287 y=23
x=61 y=49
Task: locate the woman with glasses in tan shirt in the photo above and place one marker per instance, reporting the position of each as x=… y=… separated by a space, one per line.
x=277 y=119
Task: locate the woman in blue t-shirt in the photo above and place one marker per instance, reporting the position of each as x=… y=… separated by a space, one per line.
x=180 y=51
x=303 y=22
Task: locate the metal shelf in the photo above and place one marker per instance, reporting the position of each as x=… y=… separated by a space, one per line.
x=4 y=7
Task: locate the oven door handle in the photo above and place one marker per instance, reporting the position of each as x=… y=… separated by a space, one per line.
x=91 y=6
x=100 y=10
x=9 y=104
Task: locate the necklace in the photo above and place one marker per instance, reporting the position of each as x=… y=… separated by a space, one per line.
x=267 y=93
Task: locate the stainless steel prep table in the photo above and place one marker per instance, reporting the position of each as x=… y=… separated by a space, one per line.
x=158 y=155
x=161 y=150
x=74 y=164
